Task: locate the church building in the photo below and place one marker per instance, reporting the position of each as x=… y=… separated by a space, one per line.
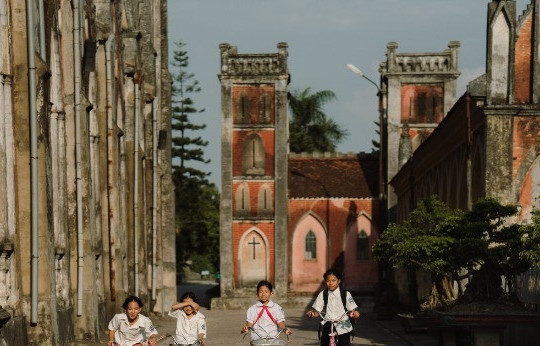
x=288 y=217
x=488 y=144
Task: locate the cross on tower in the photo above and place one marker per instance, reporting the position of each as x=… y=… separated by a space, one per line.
x=253 y=242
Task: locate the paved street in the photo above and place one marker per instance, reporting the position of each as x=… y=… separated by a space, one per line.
x=224 y=327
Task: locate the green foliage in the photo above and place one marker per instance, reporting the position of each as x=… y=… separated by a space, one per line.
x=532 y=238
x=185 y=148
x=375 y=143
x=423 y=241
x=310 y=129
x=197 y=200
x=483 y=243
x=198 y=226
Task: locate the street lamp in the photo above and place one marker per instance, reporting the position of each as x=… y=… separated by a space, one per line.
x=383 y=307
x=359 y=72
x=382 y=130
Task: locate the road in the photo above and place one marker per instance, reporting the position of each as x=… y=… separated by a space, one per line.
x=224 y=326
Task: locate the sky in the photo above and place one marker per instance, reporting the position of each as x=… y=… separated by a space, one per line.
x=323 y=36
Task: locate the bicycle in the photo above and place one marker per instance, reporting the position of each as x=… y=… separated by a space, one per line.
x=333 y=333
x=176 y=342
x=146 y=342
x=268 y=339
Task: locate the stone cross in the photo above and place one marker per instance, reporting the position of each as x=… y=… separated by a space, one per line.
x=253 y=242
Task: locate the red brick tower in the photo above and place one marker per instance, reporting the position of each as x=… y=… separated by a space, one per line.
x=419 y=88
x=253 y=215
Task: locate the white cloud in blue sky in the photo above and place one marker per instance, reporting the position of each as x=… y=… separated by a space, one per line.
x=323 y=36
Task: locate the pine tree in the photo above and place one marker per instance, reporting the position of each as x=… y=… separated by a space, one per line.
x=197 y=200
x=185 y=148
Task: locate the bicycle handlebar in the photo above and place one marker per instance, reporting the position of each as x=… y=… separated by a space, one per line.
x=346 y=313
x=268 y=337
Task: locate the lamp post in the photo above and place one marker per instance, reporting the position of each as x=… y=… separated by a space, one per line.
x=359 y=72
x=382 y=131
x=383 y=307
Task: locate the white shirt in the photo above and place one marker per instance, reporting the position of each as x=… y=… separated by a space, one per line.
x=126 y=335
x=335 y=309
x=264 y=325
x=188 y=329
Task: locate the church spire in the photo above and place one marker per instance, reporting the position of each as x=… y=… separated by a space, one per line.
x=501 y=35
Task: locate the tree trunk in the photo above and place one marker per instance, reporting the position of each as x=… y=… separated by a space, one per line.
x=442 y=294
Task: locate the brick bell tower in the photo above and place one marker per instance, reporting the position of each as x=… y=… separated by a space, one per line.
x=254 y=150
x=420 y=90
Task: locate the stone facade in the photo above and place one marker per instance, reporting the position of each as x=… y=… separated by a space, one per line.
x=286 y=218
x=417 y=90
x=254 y=144
x=87 y=204
x=488 y=144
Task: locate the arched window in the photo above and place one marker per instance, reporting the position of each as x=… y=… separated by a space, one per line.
x=311 y=246
x=362 y=246
x=265 y=206
x=264 y=109
x=253 y=156
x=242 y=109
x=242 y=200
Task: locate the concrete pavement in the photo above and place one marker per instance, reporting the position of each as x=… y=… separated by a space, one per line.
x=224 y=326
x=224 y=329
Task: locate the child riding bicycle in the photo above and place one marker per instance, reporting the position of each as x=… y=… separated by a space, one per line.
x=190 y=323
x=131 y=328
x=335 y=308
x=265 y=319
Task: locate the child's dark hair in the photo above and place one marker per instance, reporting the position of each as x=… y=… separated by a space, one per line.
x=264 y=283
x=332 y=271
x=190 y=295
x=132 y=299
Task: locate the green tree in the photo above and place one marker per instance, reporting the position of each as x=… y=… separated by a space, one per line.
x=197 y=239
x=424 y=241
x=375 y=143
x=481 y=245
x=197 y=200
x=310 y=129
x=184 y=147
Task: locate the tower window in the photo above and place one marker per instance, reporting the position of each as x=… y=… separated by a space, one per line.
x=265 y=207
x=362 y=246
x=243 y=109
x=242 y=200
x=264 y=109
x=311 y=246
x=253 y=156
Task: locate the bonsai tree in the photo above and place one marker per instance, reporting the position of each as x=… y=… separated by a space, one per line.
x=481 y=245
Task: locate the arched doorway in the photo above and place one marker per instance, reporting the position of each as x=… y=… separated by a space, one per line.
x=360 y=270
x=309 y=254
x=252 y=258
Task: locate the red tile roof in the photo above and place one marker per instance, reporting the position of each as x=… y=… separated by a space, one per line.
x=335 y=175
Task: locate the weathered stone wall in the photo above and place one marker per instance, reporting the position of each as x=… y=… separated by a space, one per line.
x=487 y=145
x=105 y=205
x=410 y=107
x=254 y=119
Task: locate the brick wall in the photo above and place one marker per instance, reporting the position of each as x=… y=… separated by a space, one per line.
x=522 y=77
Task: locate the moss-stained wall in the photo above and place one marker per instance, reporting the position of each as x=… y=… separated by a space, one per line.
x=101 y=213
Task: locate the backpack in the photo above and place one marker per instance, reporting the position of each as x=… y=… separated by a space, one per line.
x=343 y=301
